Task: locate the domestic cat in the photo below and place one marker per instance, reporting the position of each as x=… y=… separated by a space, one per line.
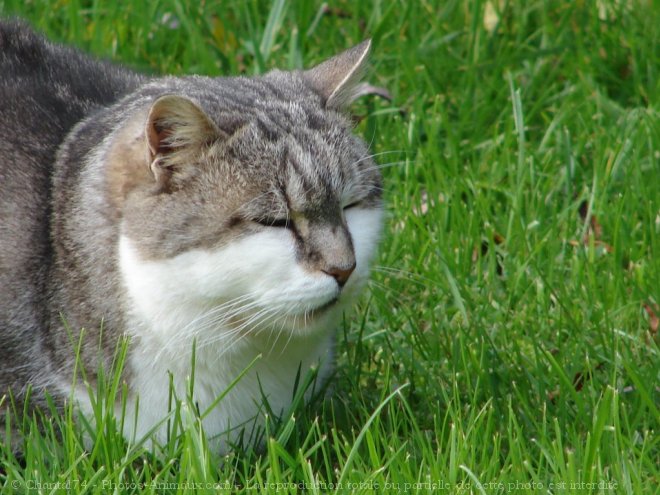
x=234 y=216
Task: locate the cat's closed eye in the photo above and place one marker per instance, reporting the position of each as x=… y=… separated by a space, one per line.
x=280 y=223
x=287 y=223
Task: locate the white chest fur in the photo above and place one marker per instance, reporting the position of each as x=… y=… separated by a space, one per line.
x=274 y=366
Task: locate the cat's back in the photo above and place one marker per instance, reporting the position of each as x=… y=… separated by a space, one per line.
x=45 y=89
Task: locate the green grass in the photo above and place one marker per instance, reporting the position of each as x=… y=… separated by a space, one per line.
x=504 y=345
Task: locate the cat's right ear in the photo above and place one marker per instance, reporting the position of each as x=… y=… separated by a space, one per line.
x=176 y=131
x=337 y=79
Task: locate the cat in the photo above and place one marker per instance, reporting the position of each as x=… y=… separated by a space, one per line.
x=234 y=218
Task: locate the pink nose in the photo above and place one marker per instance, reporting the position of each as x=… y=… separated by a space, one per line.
x=340 y=274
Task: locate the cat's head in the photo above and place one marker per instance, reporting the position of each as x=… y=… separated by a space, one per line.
x=245 y=203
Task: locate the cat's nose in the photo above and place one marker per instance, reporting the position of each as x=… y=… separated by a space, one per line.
x=340 y=274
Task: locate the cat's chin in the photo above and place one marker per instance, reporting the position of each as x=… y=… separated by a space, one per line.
x=324 y=307
x=324 y=311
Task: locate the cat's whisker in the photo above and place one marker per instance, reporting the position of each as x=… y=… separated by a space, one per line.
x=280 y=321
x=382 y=166
x=288 y=341
x=374 y=155
x=358 y=191
x=270 y=329
x=278 y=332
x=248 y=320
x=371 y=140
x=388 y=290
x=219 y=315
x=255 y=320
x=199 y=324
x=407 y=275
x=282 y=329
x=215 y=309
x=220 y=330
x=228 y=339
x=215 y=319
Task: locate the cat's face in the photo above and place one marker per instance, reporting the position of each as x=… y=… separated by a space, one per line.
x=264 y=218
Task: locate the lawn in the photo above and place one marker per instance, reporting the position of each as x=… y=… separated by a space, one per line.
x=508 y=342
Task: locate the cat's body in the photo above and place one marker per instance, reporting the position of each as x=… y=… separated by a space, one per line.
x=179 y=212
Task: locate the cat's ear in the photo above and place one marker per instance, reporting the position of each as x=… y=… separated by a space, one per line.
x=337 y=79
x=176 y=130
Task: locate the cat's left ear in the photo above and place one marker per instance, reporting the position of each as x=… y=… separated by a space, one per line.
x=176 y=130
x=337 y=79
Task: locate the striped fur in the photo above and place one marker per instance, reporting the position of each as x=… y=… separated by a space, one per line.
x=240 y=214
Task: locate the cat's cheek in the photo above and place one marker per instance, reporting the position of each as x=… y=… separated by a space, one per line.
x=279 y=282
x=205 y=275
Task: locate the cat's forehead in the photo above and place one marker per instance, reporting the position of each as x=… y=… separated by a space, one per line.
x=299 y=172
x=285 y=148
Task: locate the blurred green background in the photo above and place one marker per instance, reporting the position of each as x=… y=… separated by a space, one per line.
x=509 y=339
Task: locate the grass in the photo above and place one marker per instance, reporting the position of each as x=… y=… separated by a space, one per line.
x=509 y=340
